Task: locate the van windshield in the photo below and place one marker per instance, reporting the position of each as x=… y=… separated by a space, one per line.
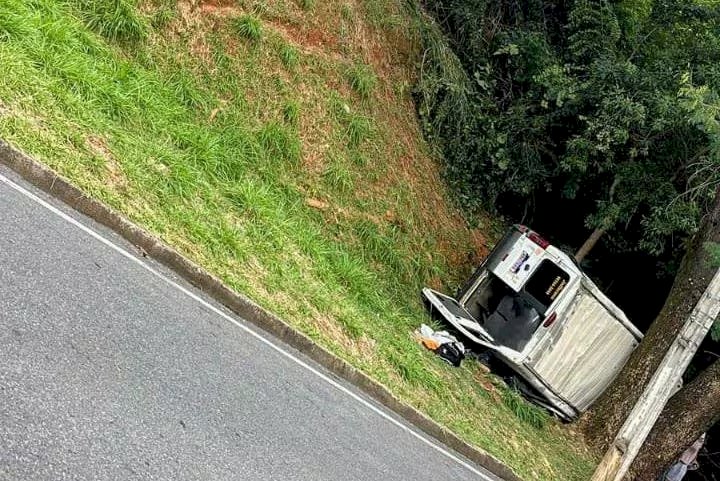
x=546 y=283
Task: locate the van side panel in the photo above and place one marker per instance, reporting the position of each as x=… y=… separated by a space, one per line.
x=584 y=353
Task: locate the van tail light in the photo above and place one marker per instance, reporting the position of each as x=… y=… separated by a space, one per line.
x=550 y=319
x=533 y=236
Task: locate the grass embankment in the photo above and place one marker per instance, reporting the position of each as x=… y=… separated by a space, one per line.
x=276 y=144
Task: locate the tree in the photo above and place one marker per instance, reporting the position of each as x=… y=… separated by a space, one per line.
x=575 y=100
x=688 y=414
x=596 y=234
x=698 y=267
x=611 y=105
x=702 y=107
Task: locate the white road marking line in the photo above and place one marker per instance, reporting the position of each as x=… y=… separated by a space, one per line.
x=219 y=312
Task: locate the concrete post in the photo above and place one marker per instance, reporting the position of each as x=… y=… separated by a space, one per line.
x=617 y=460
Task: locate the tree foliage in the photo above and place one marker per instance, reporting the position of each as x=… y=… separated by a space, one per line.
x=612 y=105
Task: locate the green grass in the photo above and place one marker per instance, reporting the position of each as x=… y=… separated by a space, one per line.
x=322 y=204
x=359 y=128
x=289 y=56
x=346 y=12
x=280 y=143
x=115 y=20
x=306 y=4
x=362 y=80
x=163 y=16
x=339 y=177
x=291 y=113
x=525 y=412
x=249 y=27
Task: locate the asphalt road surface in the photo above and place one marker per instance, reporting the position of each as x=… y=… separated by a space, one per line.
x=111 y=368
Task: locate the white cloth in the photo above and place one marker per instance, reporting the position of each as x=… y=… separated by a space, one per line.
x=441 y=337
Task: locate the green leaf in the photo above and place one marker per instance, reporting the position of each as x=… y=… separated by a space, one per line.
x=510 y=49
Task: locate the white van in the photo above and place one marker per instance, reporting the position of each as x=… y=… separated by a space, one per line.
x=539 y=313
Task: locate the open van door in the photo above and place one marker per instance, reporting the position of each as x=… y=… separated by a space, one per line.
x=458 y=316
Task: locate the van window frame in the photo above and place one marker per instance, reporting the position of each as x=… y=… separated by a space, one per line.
x=542 y=308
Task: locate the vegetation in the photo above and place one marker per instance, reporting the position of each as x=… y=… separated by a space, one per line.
x=610 y=105
x=525 y=412
x=605 y=104
x=289 y=56
x=117 y=20
x=610 y=411
x=264 y=163
x=307 y=4
x=249 y=26
x=362 y=80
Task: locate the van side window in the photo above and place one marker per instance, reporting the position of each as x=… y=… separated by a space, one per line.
x=546 y=283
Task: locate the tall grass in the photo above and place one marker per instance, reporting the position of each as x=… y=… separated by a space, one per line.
x=339 y=177
x=526 y=412
x=116 y=20
x=289 y=56
x=280 y=143
x=359 y=128
x=291 y=113
x=362 y=80
x=164 y=16
x=249 y=27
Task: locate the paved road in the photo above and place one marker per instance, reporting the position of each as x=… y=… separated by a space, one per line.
x=110 y=370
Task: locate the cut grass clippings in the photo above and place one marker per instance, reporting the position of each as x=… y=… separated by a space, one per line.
x=276 y=144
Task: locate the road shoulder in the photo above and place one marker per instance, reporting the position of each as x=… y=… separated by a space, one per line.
x=48 y=181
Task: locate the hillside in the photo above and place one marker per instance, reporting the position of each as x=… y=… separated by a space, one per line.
x=275 y=143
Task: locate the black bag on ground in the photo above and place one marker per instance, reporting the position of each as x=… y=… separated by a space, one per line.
x=450 y=353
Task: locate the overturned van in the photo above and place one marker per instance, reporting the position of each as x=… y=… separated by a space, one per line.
x=532 y=306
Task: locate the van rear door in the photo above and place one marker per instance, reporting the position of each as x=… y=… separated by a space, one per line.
x=454 y=313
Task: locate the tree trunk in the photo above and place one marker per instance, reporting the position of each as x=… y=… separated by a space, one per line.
x=589 y=243
x=688 y=414
x=603 y=421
